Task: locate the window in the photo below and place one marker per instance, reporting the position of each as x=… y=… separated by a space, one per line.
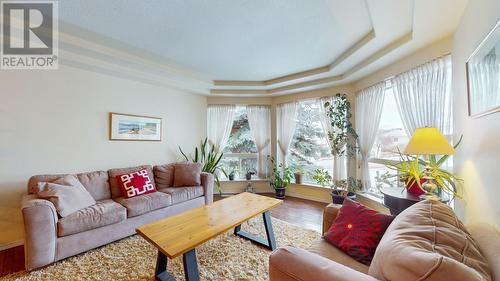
x=240 y=153
x=309 y=149
x=391 y=136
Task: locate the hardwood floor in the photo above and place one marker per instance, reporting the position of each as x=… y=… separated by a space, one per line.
x=297 y=211
x=300 y=212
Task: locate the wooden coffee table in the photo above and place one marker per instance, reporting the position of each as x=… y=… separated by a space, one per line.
x=182 y=233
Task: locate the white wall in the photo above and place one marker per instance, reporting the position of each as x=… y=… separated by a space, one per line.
x=477 y=160
x=57 y=122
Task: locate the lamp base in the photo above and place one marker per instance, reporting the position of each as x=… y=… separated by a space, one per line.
x=430 y=196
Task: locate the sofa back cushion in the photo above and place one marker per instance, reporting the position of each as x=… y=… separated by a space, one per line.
x=96 y=183
x=115 y=187
x=164 y=175
x=187 y=174
x=67 y=194
x=427 y=241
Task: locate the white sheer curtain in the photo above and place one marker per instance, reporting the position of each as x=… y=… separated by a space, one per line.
x=287 y=120
x=369 y=103
x=259 y=119
x=485 y=83
x=339 y=162
x=423 y=96
x=220 y=120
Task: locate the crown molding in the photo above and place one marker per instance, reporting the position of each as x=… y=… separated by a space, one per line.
x=325 y=80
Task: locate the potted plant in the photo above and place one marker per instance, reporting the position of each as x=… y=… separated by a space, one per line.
x=299 y=176
x=281 y=176
x=410 y=171
x=345 y=188
x=249 y=174
x=210 y=157
x=231 y=175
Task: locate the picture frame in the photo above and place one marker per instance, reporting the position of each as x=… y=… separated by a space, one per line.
x=483 y=76
x=129 y=127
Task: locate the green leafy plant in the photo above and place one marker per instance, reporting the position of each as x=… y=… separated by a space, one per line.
x=281 y=176
x=322 y=177
x=343 y=139
x=343 y=136
x=410 y=170
x=210 y=157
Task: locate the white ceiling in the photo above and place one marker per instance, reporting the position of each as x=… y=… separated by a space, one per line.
x=264 y=39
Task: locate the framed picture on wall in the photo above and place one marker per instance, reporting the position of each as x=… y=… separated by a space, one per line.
x=128 y=127
x=483 y=75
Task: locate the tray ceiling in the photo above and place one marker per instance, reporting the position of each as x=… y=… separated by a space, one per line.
x=257 y=47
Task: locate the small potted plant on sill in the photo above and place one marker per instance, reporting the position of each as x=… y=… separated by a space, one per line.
x=345 y=188
x=281 y=176
x=249 y=174
x=299 y=176
x=231 y=175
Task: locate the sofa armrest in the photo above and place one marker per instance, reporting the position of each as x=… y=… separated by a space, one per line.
x=40 y=231
x=289 y=264
x=207 y=181
x=329 y=215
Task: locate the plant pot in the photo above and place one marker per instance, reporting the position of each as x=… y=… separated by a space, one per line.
x=298 y=178
x=280 y=193
x=231 y=177
x=248 y=176
x=339 y=199
x=414 y=188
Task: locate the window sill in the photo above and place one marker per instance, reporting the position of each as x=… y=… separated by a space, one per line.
x=244 y=180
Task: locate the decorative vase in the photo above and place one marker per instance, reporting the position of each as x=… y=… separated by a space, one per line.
x=414 y=188
x=280 y=192
x=298 y=178
x=339 y=199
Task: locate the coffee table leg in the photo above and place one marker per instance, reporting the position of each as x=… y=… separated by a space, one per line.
x=270 y=243
x=191 y=266
x=161 y=268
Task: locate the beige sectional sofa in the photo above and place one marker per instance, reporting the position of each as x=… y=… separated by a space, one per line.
x=50 y=238
x=424 y=242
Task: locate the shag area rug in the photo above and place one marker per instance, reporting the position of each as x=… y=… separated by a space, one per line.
x=226 y=257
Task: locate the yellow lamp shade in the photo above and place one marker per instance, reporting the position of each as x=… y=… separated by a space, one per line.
x=428 y=141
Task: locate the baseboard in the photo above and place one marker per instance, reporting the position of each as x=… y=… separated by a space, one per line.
x=12 y=244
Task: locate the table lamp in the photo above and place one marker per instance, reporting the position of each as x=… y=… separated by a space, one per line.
x=428 y=141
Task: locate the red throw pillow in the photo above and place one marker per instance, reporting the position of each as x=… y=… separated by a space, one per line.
x=135 y=184
x=358 y=230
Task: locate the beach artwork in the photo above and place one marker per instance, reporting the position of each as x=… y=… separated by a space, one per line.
x=134 y=127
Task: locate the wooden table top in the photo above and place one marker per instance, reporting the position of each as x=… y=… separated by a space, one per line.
x=183 y=232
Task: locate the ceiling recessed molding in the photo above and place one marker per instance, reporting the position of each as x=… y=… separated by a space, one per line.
x=303 y=74
x=375 y=56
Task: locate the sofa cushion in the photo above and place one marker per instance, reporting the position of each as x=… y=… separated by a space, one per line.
x=103 y=213
x=135 y=183
x=67 y=194
x=323 y=248
x=357 y=230
x=187 y=174
x=139 y=205
x=164 y=175
x=96 y=183
x=487 y=238
x=427 y=241
x=113 y=183
x=182 y=194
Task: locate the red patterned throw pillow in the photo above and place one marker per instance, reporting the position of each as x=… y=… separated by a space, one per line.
x=358 y=230
x=135 y=184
